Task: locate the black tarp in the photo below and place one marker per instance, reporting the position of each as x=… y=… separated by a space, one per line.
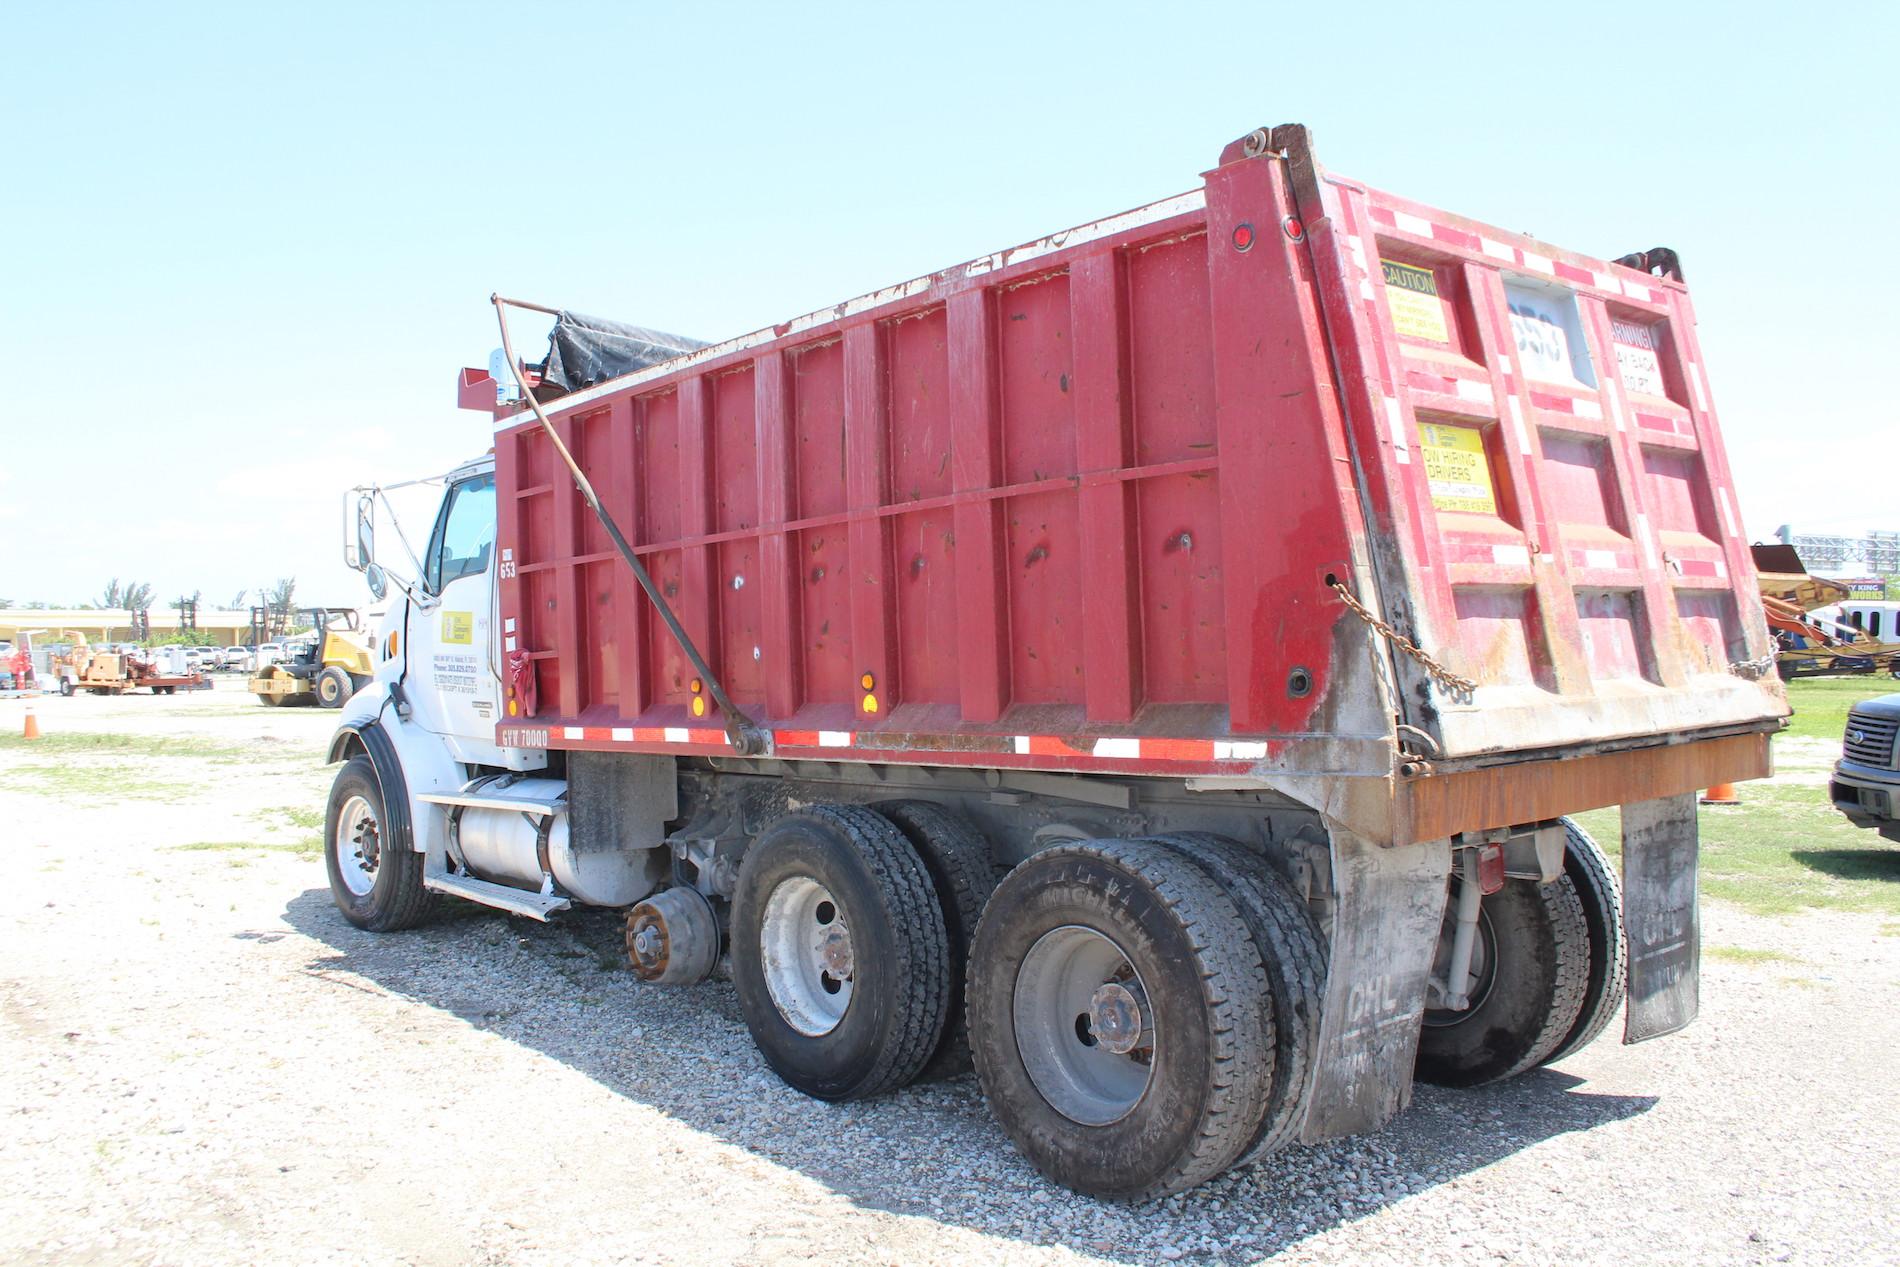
x=585 y=350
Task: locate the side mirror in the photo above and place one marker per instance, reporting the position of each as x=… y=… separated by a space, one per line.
x=378 y=582
x=365 y=537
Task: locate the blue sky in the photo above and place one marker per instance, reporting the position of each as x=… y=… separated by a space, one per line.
x=244 y=248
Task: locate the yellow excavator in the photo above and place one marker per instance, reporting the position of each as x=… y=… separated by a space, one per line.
x=327 y=667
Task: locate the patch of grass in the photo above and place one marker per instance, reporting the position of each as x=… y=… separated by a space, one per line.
x=113 y=744
x=304 y=847
x=300 y=817
x=1748 y=954
x=101 y=780
x=1821 y=704
x=1784 y=849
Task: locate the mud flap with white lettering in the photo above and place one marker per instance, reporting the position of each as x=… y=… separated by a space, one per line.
x=1659 y=912
x=1386 y=920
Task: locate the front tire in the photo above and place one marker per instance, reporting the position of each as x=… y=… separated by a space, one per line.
x=839 y=953
x=375 y=883
x=1531 y=967
x=1120 y=1021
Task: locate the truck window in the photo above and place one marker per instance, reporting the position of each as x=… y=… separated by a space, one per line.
x=466 y=534
x=1873 y=623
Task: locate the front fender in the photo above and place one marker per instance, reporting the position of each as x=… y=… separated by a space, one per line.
x=409 y=762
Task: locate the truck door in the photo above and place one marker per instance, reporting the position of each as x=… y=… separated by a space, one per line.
x=452 y=655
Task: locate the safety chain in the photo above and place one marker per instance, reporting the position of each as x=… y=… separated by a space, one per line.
x=1753 y=670
x=1463 y=687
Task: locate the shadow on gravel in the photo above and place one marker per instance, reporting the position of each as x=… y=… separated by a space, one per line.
x=1852 y=864
x=928 y=1151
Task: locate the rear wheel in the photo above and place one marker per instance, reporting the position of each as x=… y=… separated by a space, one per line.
x=333 y=687
x=1593 y=875
x=959 y=864
x=377 y=885
x=1529 y=968
x=1294 y=956
x=839 y=953
x=1119 y=1019
x=65 y=687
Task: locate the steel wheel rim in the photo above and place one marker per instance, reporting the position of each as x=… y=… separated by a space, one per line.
x=1055 y=1008
x=1484 y=971
x=806 y=953
x=357 y=846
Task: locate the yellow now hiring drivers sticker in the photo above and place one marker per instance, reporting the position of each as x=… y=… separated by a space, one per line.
x=1456 y=468
x=1412 y=296
x=458 y=627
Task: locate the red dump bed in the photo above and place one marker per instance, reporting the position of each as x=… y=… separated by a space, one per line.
x=1077 y=506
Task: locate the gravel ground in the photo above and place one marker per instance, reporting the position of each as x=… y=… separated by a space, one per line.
x=204 y=1064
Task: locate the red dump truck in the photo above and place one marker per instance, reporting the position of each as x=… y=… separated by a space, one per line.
x=1152 y=664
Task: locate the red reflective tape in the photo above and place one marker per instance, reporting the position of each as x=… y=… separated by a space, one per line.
x=1380 y=215
x=795 y=738
x=706 y=736
x=1050 y=746
x=649 y=734
x=1571 y=273
x=1455 y=237
x=1177 y=749
x=1554 y=404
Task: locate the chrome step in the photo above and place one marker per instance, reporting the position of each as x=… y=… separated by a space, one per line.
x=518 y=901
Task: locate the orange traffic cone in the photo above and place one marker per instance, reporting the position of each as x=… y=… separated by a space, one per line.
x=32 y=722
x=1721 y=794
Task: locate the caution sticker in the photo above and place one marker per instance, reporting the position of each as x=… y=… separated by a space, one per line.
x=458 y=627
x=1412 y=295
x=1636 y=357
x=1456 y=468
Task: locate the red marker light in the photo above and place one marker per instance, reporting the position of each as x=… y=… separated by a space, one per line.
x=1243 y=237
x=1294 y=229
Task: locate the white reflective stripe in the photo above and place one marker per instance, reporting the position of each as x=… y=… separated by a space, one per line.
x=575 y=732
x=834 y=739
x=1604 y=281
x=1650 y=560
x=1728 y=512
x=1022 y=745
x=1412 y=224
x=1695 y=381
x=1538 y=264
x=1358 y=250
x=508 y=625
x=1586 y=408
x=508 y=644
x=1599 y=558
x=1395 y=425
x=1517 y=424
x=1511 y=555
x=1469 y=390
x=1616 y=411
x=1636 y=290
x=675 y=734
x=1239 y=751
x=623 y=734
x=1497 y=250
x=1118 y=747
x=1365 y=288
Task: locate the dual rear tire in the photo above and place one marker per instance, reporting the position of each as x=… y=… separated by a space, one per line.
x=1142 y=1014
x=1548 y=974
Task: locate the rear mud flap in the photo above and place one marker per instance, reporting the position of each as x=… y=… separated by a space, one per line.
x=1390 y=902
x=1659 y=912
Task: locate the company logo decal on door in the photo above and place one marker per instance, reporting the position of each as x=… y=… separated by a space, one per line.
x=458 y=627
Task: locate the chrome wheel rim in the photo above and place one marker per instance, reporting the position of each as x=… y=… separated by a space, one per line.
x=1084 y=1027
x=805 y=948
x=357 y=846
